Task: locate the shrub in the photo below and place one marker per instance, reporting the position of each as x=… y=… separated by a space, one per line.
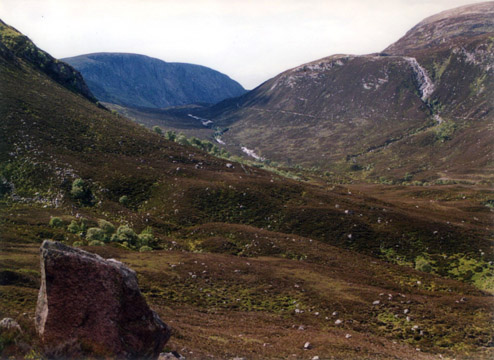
x=95 y=233
x=78 y=243
x=422 y=264
x=170 y=135
x=74 y=227
x=124 y=200
x=56 y=222
x=107 y=227
x=81 y=192
x=145 y=248
x=126 y=235
x=96 y=243
x=145 y=239
x=77 y=191
x=182 y=139
x=157 y=130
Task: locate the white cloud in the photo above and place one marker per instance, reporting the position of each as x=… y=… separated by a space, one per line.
x=249 y=40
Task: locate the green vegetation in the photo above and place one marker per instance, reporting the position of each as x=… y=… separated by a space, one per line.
x=124 y=200
x=445 y=130
x=80 y=191
x=157 y=130
x=56 y=222
x=422 y=264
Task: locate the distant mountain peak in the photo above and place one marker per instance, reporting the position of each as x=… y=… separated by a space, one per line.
x=141 y=81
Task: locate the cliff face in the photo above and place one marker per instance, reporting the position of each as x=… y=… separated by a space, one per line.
x=141 y=81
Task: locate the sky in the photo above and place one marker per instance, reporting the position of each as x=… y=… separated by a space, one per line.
x=249 y=40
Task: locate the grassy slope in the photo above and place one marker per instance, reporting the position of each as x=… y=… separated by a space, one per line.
x=208 y=214
x=328 y=108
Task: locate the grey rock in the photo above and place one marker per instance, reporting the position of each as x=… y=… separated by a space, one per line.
x=9 y=324
x=92 y=307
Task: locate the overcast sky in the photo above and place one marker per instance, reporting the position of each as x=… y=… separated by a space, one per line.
x=249 y=40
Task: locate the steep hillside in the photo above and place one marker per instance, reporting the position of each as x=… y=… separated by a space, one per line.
x=446 y=27
x=420 y=110
x=239 y=261
x=14 y=44
x=141 y=81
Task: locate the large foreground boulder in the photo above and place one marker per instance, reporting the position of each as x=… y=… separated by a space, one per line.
x=92 y=307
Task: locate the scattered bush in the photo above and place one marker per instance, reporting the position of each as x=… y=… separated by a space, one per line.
x=74 y=227
x=170 y=135
x=95 y=233
x=145 y=248
x=107 y=227
x=125 y=235
x=422 y=264
x=80 y=191
x=182 y=139
x=124 y=200
x=145 y=239
x=56 y=222
x=96 y=243
x=157 y=130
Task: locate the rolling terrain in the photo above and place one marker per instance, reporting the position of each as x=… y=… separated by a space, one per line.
x=421 y=110
x=241 y=261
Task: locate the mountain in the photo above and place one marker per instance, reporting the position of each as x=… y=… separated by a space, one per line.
x=422 y=109
x=141 y=81
x=239 y=261
x=13 y=44
x=446 y=27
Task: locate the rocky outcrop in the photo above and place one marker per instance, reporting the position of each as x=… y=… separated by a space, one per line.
x=9 y=324
x=92 y=307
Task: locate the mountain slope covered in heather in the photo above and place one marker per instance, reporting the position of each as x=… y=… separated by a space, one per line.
x=419 y=111
x=239 y=261
x=141 y=81
x=14 y=45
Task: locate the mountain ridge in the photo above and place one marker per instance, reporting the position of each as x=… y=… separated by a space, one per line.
x=368 y=111
x=468 y=20
x=19 y=45
x=142 y=81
